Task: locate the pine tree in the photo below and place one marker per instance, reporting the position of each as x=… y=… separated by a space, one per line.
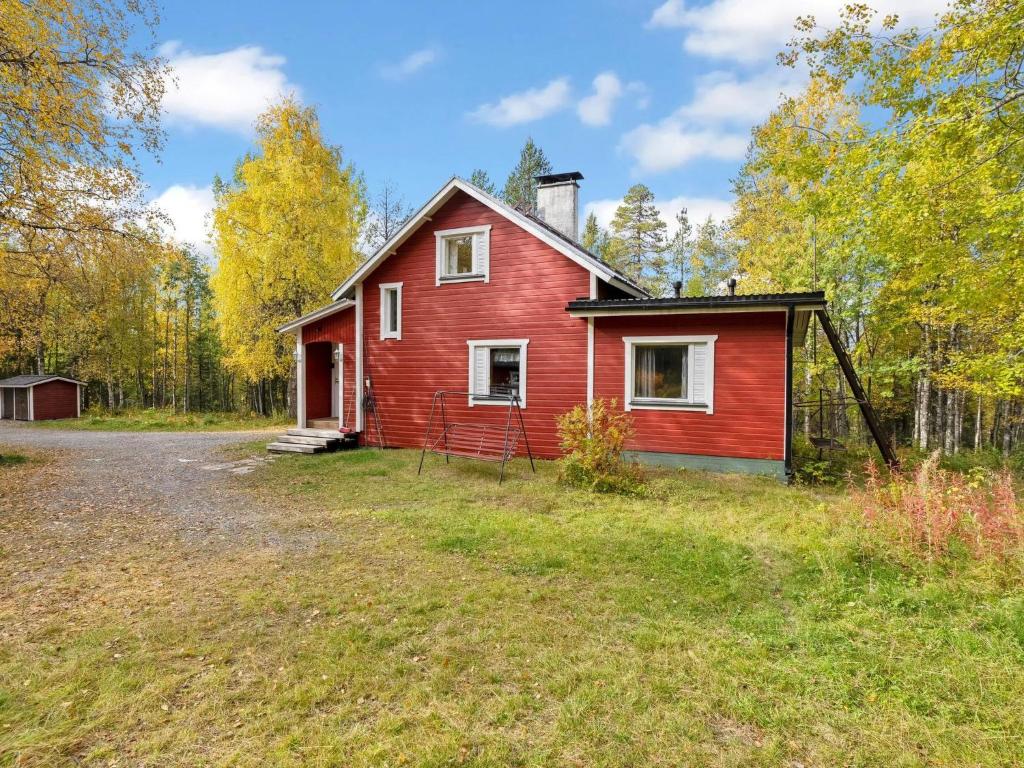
x=521 y=187
x=637 y=244
x=480 y=178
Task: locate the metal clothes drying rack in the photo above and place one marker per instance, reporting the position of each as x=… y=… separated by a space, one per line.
x=474 y=440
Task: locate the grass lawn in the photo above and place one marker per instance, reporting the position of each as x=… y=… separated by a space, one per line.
x=385 y=619
x=160 y=420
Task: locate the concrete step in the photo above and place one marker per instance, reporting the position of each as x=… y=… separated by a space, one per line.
x=323 y=442
x=330 y=434
x=294 y=448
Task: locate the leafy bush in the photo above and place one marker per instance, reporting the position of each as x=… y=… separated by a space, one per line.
x=934 y=508
x=593 y=441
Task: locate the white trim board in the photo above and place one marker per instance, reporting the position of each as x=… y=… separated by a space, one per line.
x=359 y=358
x=442 y=196
x=708 y=407
x=641 y=311
x=300 y=379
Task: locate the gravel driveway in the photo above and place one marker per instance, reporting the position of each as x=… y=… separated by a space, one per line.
x=175 y=479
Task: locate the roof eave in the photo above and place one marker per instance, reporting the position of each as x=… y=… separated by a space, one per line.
x=316 y=314
x=626 y=307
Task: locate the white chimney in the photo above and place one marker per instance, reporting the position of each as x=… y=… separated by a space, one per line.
x=558 y=200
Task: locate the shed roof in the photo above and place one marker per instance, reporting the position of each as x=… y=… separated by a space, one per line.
x=740 y=302
x=31 y=380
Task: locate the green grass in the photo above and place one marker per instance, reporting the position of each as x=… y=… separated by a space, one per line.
x=159 y=420
x=12 y=459
x=446 y=620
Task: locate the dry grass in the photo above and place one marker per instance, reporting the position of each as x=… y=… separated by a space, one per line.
x=385 y=619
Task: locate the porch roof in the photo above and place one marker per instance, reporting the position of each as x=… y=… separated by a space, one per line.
x=316 y=314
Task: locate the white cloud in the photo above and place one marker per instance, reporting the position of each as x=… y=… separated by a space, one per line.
x=411 y=64
x=738 y=30
x=526 y=106
x=697 y=208
x=713 y=124
x=225 y=90
x=723 y=97
x=671 y=143
x=596 y=109
x=189 y=210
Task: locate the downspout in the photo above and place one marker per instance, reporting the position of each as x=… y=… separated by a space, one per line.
x=788 y=450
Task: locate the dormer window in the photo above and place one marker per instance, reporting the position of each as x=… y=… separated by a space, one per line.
x=463 y=254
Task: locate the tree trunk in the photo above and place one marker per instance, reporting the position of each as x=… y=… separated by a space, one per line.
x=977 y=425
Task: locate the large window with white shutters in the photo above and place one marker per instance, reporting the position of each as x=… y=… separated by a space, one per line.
x=497 y=371
x=669 y=372
x=463 y=254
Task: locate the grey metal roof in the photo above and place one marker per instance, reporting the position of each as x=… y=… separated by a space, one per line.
x=27 y=380
x=751 y=301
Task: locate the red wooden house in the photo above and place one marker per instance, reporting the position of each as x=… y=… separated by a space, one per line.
x=476 y=296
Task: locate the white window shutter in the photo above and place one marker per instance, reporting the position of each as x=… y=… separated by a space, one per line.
x=483 y=252
x=701 y=373
x=480 y=359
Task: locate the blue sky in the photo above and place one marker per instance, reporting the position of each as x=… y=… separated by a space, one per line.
x=622 y=90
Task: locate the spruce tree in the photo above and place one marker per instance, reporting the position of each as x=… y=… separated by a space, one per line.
x=521 y=187
x=591 y=233
x=679 y=255
x=714 y=258
x=637 y=244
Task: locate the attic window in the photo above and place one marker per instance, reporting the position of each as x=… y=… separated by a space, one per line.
x=458 y=256
x=463 y=254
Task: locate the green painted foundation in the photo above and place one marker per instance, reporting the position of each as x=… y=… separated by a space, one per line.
x=769 y=467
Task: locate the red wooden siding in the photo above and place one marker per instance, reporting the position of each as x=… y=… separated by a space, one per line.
x=339 y=328
x=54 y=400
x=750 y=384
x=530 y=284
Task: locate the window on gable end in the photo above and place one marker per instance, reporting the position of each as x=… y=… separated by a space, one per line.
x=391 y=311
x=463 y=255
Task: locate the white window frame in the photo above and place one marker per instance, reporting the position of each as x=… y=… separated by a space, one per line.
x=385 y=333
x=656 y=404
x=481 y=267
x=475 y=344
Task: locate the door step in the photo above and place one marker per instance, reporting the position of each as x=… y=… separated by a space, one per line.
x=329 y=434
x=297 y=440
x=323 y=442
x=294 y=448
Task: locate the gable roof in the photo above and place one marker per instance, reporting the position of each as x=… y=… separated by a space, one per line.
x=31 y=381
x=547 y=234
